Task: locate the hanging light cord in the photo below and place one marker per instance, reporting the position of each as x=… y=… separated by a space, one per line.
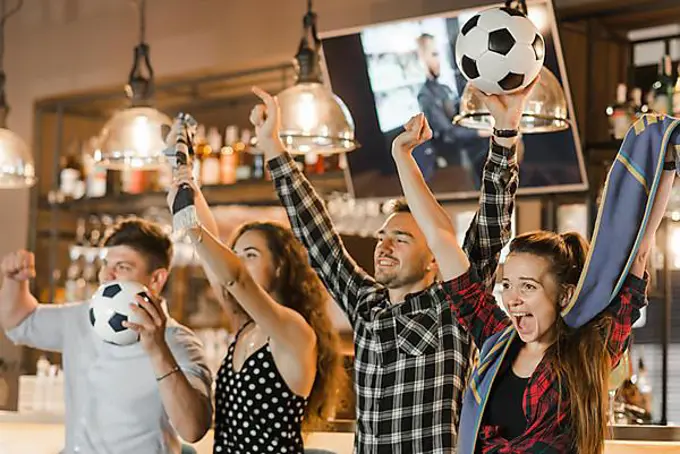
x=142 y=20
x=309 y=69
x=140 y=81
x=3 y=20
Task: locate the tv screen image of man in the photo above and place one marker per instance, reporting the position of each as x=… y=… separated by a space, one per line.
x=451 y=145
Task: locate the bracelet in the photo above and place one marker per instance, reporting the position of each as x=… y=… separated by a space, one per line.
x=172 y=371
x=505 y=133
x=669 y=165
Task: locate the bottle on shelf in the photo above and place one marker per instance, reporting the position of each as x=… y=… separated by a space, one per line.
x=620 y=114
x=71 y=174
x=95 y=173
x=258 y=171
x=211 y=158
x=59 y=287
x=639 y=109
x=74 y=285
x=200 y=144
x=676 y=95
x=314 y=163
x=662 y=89
x=228 y=158
x=241 y=147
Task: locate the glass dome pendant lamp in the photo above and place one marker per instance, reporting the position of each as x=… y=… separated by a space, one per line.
x=134 y=137
x=313 y=118
x=17 y=169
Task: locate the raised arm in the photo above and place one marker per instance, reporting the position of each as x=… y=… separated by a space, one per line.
x=491 y=227
x=632 y=297
x=286 y=327
x=432 y=219
x=24 y=320
x=349 y=285
x=209 y=223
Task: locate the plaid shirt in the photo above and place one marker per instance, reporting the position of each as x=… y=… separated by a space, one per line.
x=411 y=357
x=547 y=430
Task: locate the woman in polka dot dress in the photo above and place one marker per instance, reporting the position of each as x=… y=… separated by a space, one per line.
x=282 y=372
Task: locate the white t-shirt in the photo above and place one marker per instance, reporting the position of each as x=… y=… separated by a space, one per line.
x=112 y=400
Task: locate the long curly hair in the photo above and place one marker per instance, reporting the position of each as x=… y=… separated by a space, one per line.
x=579 y=357
x=302 y=291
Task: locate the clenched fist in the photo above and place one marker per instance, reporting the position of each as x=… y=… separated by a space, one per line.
x=416 y=132
x=18 y=266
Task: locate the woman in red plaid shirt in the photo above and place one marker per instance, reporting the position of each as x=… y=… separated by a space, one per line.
x=540 y=386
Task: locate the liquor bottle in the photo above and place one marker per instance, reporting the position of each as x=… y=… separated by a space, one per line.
x=242 y=150
x=663 y=88
x=258 y=169
x=314 y=163
x=71 y=174
x=72 y=287
x=211 y=158
x=639 y=109
x=228 y=158
x=676 y=96
x=95 y=173
x=199 y=146
x=620 y=114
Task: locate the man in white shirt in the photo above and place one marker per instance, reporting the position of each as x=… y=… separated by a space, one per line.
x=132 y=399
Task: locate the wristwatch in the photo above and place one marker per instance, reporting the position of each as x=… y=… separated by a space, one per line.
x=505 y=133
x=670 y=165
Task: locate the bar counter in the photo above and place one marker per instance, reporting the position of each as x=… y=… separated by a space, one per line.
x=43 y=433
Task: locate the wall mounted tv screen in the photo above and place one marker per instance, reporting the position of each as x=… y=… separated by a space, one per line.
x=379 y=73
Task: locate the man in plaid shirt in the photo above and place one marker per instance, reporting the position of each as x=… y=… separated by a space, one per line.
x=411 y=356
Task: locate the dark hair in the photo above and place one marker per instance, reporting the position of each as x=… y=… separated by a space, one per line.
x=145 y=237
x=397 y=206
x=579 y=357
x=423 y=38
x=303 y=292
x=566 y=253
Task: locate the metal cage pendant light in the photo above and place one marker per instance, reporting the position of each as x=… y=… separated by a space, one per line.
x=545 y=110
x=17 y=169
x=133 y=137
x=313 y=118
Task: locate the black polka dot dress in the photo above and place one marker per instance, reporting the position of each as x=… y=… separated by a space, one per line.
x=255 y=411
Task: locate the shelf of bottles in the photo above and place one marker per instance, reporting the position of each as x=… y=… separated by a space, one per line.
x=662 y=98
x=227 y=162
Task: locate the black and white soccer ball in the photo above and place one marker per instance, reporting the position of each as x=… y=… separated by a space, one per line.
x=110 y=307
x=500 y=51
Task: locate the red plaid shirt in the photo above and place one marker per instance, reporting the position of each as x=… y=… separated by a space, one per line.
x=547 y=429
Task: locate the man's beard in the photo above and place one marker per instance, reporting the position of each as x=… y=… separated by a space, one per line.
x=392 y=280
